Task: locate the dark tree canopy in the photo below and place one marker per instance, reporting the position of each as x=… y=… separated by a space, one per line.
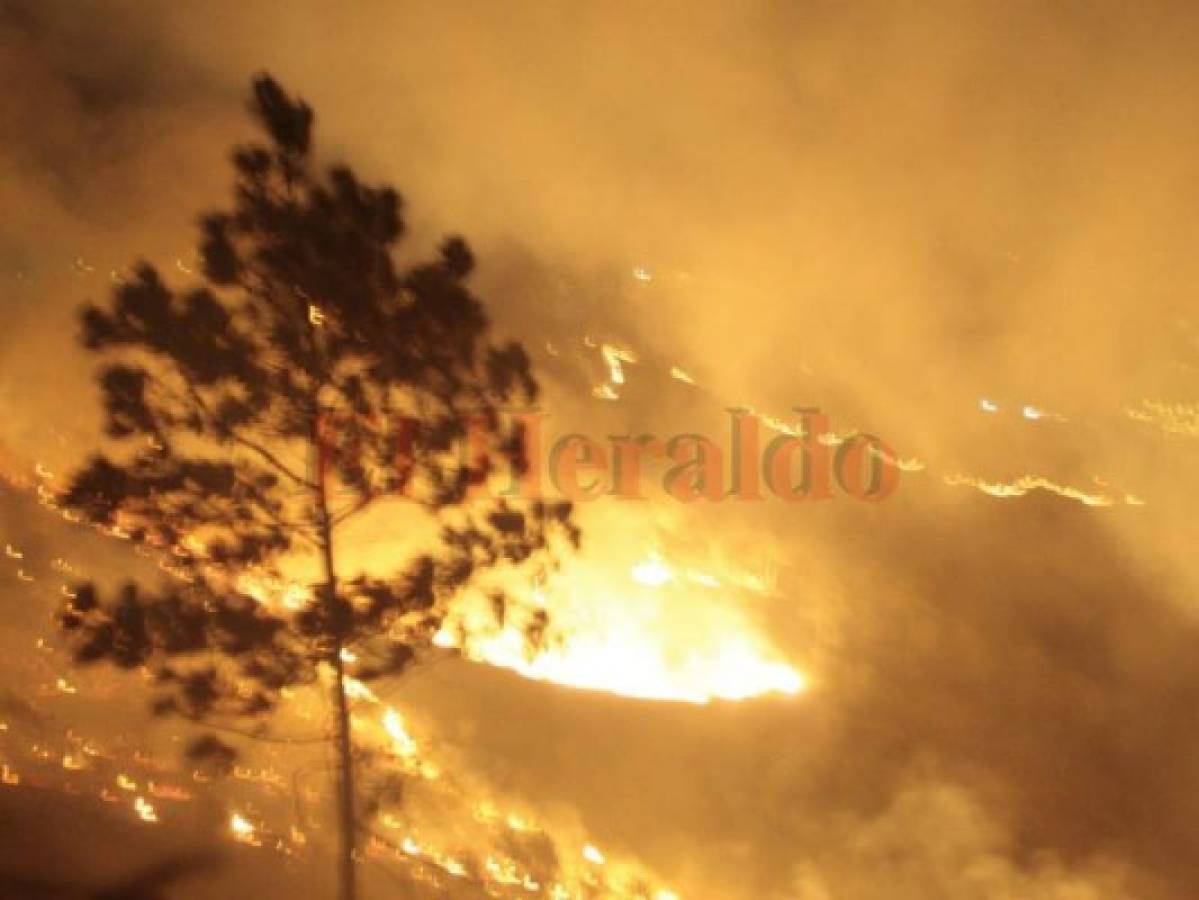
x=304 y=341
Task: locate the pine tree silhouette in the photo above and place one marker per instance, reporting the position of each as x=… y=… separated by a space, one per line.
x=306 y=341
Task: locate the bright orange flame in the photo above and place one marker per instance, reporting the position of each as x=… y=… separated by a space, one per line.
x=622 y=647
x=242 y=829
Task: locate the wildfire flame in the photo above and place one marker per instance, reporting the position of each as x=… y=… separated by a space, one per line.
x=615 y=643
x=242 y=829
x=1026 y=483
x=617 y=647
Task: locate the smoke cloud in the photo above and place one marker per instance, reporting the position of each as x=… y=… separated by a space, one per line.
x=965 y=227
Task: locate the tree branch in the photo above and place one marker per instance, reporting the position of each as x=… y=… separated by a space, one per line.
x=270 y=458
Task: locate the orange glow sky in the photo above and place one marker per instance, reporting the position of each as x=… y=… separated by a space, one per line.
x=967 y=227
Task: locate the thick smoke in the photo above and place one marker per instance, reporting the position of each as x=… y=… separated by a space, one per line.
x=890 y=211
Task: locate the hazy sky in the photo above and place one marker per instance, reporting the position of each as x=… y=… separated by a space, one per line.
x=895 y=211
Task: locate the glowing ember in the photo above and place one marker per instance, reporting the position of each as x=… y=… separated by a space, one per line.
x=402 y=742
x=679 y=375
x=615 y=357
x=241 y=828
x=145 y=810
x=592 y=855
x=653 y=572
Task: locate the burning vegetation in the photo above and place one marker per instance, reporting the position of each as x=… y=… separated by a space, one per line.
x=784 y=494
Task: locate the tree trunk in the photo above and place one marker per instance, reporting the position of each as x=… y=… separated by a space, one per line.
x=347 y=823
